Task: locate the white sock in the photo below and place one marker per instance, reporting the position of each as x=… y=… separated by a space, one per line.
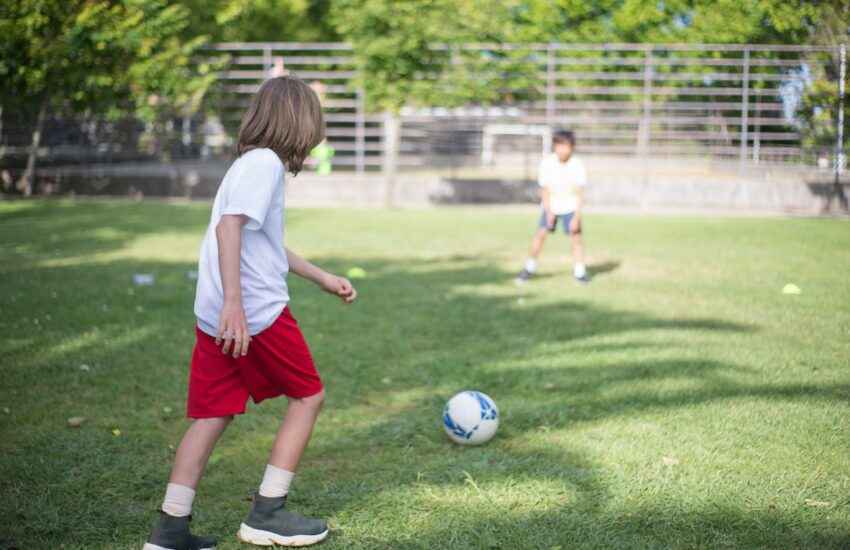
x=275 y=481
x=178 y=500
x=580 y=270
x=531 y=265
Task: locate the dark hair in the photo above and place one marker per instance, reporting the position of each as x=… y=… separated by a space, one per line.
x=564 y=136
x=285 y=116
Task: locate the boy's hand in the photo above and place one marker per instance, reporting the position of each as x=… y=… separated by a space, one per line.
x=233 y=330
x=339 y=286
x=550 y=221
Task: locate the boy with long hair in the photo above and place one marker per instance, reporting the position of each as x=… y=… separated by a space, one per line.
x=248 y=344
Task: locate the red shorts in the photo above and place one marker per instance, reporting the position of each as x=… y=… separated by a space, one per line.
x=278 y=363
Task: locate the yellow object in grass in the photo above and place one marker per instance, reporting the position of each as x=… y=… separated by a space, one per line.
x=356 y=273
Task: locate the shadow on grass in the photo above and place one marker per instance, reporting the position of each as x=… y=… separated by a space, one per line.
x=641 y=527
x=602 y=268
x=73 y=228
x=429 y=328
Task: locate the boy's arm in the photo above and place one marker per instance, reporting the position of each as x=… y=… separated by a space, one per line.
x=575 y=223
x=339 y=286
x=232 y=326
x=544 y=195
x=579 y=201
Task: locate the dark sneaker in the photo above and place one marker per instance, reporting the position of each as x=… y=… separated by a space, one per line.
x=269 y=522
x=172 y=533
x=524 y=276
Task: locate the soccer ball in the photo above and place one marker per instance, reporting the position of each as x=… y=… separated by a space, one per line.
x=470 y=418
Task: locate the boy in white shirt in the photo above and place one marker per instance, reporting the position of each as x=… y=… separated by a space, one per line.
x=248 y=344
x=562 y=180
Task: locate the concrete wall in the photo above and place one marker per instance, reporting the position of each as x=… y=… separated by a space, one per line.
x=615 y=182
x=622 y=183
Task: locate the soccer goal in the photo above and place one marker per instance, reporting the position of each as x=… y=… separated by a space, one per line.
x=490 y=131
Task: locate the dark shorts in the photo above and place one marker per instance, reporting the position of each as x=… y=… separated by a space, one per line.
x=564 y=219
x=278 y=363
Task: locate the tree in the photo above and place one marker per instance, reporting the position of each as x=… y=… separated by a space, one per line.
x=392 y=43
x=689 y=21
x=406 y=53
x=261 y=20
x=97 y=56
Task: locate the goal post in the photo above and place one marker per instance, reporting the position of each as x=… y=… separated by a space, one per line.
x=490 y=131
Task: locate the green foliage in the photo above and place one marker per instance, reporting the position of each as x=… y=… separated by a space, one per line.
x=393 y=44
x=114 y=56
x=163 y=79
x=100 y=56
x=394 y=40
x=818 y=111
x=692 y=21
x=261 y=20
x=817 y=114
x=410 y=52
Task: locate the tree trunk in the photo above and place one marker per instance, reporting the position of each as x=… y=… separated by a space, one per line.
x=26 y=183
x=840 y=159
x=392 y=138
x=5 y=177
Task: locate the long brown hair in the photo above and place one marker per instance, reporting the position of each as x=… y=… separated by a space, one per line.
x=285 y=116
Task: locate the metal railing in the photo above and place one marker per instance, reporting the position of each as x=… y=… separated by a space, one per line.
x=733 y=102
x=723 y=101
x=355 y=134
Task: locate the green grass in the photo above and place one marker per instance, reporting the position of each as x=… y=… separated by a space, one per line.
x=679 y=401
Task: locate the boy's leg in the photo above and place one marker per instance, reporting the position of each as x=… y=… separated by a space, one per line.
x=295 y=430
x=530 y=266
x=577 y=245
x=282 y=365
x=289 y=444
x=195 y=448
x=172 y=530
x=543 y=228
x=537 y=243
x=269 y=522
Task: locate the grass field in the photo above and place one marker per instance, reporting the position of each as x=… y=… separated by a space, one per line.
x=678 y=401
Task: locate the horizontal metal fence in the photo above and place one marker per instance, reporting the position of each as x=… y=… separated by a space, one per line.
x=735 y=102
x=723 y=101
x=355 y=135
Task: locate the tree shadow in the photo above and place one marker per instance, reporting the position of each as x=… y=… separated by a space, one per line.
x=641 y=527
x=423 y=330
x=38 y=230
x=441 y=324
x=571 y=397
x=478 y=338
x=46 y=229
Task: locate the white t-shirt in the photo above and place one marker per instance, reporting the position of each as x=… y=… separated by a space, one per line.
x=253 y=186
x=563 y=180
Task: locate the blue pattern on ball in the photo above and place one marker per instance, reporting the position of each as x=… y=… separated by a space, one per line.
x=488 y=410
x=453 y=426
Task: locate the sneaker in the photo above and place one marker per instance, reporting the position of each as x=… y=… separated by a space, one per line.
x=524 y=276
x=172 y=533
x=269 y=522
x=583 y=279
